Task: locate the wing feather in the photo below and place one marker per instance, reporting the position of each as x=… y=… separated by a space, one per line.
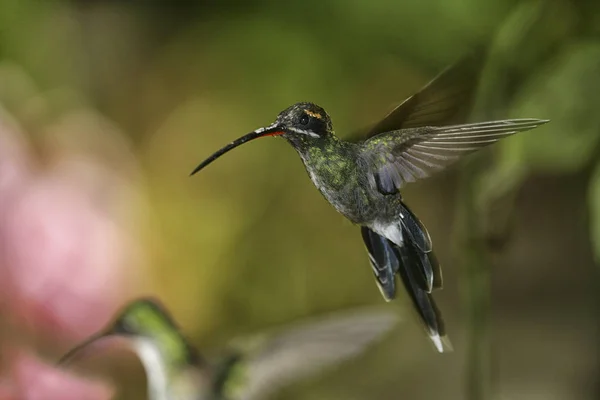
x=300 y=352
x=445 y=100
x=399 y=157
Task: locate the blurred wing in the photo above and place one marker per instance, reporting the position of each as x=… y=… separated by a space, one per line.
x=298 y=353
x=445 y=100
x=399 y=157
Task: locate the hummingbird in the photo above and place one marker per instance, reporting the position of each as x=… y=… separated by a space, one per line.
x=361 y=176
x=249 y=369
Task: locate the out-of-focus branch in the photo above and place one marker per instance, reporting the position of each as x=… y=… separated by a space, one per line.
x=486 y=195
x=476 y=287
x=485 y=204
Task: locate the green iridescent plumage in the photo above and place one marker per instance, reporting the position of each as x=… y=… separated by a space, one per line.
x=249 y=369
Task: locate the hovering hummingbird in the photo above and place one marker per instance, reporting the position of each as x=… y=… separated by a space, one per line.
x=247 y=371
x=361 y=177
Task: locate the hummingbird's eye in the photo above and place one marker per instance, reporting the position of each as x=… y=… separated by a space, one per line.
x=304 y=119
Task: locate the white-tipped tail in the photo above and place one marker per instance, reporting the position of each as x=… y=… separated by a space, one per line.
x=442 y=343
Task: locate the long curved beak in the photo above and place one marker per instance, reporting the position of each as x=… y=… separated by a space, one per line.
x=71 y=354
x=271 y=130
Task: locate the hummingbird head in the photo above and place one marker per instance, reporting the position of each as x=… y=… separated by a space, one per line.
x=143 y=317
x=170 y=361
x=145 y=320
x=301 y=124
x=304 y=122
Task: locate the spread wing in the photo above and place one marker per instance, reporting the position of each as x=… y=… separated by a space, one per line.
x=298 y=353
x=399 y=157
x=445 y=100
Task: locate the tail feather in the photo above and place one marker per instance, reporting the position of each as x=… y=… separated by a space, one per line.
x=438 y=280
x=414 y=231
x=418 y=268
x=384 y=262
x=422 y=300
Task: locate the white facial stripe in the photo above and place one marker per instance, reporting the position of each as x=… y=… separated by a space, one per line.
x=304 y=132
x=261 y=130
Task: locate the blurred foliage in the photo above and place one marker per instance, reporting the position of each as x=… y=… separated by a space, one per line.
x=249 y=243
x=594 y=201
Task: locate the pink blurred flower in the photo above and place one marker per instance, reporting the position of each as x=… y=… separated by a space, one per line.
x=32 y=379
x=63 y=259
x=66 y=258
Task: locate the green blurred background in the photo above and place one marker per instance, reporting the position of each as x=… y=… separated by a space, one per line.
x=249 y=243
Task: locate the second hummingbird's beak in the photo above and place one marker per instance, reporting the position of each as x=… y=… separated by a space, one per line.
x=93 y=340
x=271 y=130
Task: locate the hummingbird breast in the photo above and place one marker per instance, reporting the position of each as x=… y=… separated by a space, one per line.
x=342 y=177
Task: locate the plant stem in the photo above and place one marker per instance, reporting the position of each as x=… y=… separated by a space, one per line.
x=476 y=278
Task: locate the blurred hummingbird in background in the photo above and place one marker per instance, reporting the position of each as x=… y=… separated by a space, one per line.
x=362 y=176
x=251 y=370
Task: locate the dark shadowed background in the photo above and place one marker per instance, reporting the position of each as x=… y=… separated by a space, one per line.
x=106 y=106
